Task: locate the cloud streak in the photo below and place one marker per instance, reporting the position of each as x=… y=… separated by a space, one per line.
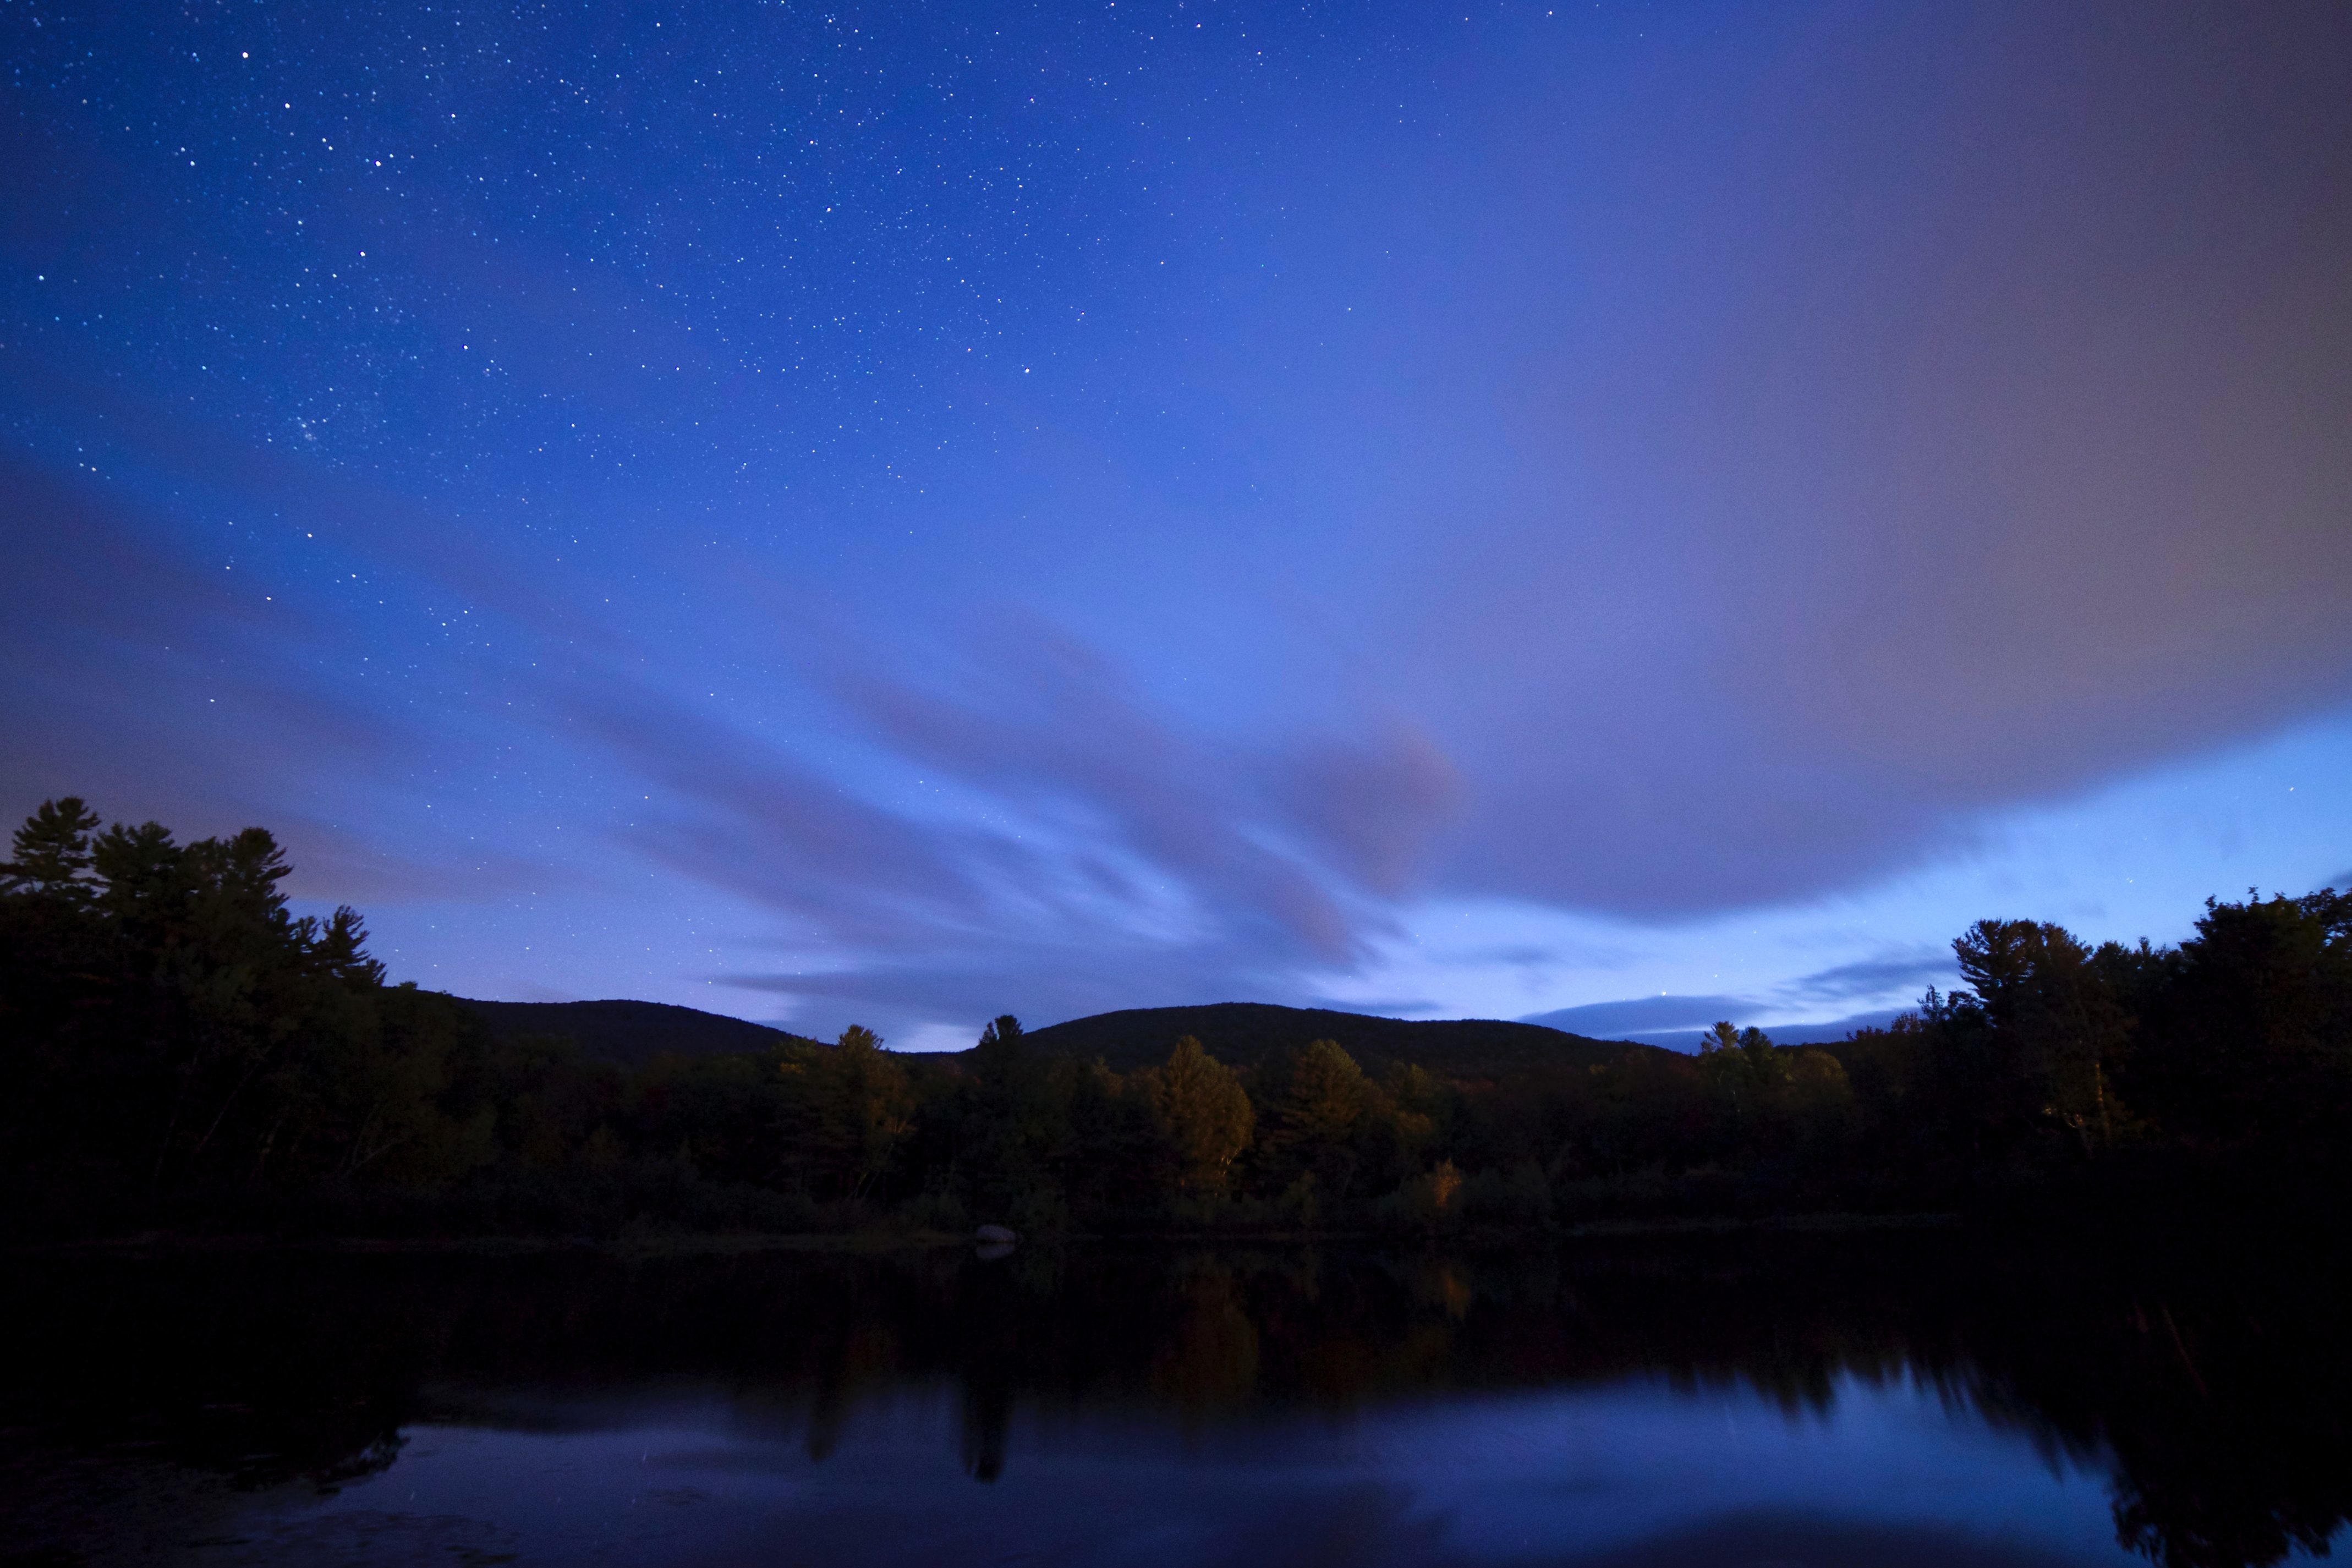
x=1908 y=970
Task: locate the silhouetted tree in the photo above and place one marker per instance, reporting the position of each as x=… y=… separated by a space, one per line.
x=851 y=1108
x=1202 y=1111
x=2052 y=1032
x=1010 y=1122
x=1312 y=1123
x=2250 y=1029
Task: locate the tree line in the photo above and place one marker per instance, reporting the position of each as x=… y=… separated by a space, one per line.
x=177 y=1043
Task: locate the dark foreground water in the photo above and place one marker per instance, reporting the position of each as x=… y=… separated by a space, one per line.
x=1898 y=1399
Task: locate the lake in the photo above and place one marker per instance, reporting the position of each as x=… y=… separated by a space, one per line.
x=1772 y=1398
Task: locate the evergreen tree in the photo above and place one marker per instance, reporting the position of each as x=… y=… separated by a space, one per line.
x=1202 y=1113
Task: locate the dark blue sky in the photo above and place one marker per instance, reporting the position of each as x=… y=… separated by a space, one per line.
x=908 y=513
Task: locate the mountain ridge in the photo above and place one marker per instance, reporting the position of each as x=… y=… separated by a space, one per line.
x=1250 y=1034
x=1240 y=1034
x=626 y=1031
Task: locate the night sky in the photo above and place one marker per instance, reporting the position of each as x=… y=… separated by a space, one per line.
x=904 y=514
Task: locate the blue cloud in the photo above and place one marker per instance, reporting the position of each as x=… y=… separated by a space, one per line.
x=1614 y=1020
x=1910 y=970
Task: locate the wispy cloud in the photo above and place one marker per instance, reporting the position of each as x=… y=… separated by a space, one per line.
x=1650 y=1015
x=1907 y=971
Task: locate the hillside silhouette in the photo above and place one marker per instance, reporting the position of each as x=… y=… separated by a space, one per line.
x=180 y=1047
x=629 y=1034
x=1252 y=1034
x=1240 y=1034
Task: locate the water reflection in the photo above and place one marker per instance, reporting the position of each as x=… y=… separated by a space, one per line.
x=1918 y=1399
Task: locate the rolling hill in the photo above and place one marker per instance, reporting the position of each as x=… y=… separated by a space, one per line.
x=1240 y=1034
x=1244 y=1033
x=629 y=1033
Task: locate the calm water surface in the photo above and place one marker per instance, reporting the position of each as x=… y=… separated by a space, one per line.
x=1634 y=1472
x=1789 y=1400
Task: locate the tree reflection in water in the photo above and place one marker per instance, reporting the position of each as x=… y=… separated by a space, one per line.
x=2211 y=1381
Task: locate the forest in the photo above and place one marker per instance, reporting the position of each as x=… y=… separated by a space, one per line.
x=182 y=1050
